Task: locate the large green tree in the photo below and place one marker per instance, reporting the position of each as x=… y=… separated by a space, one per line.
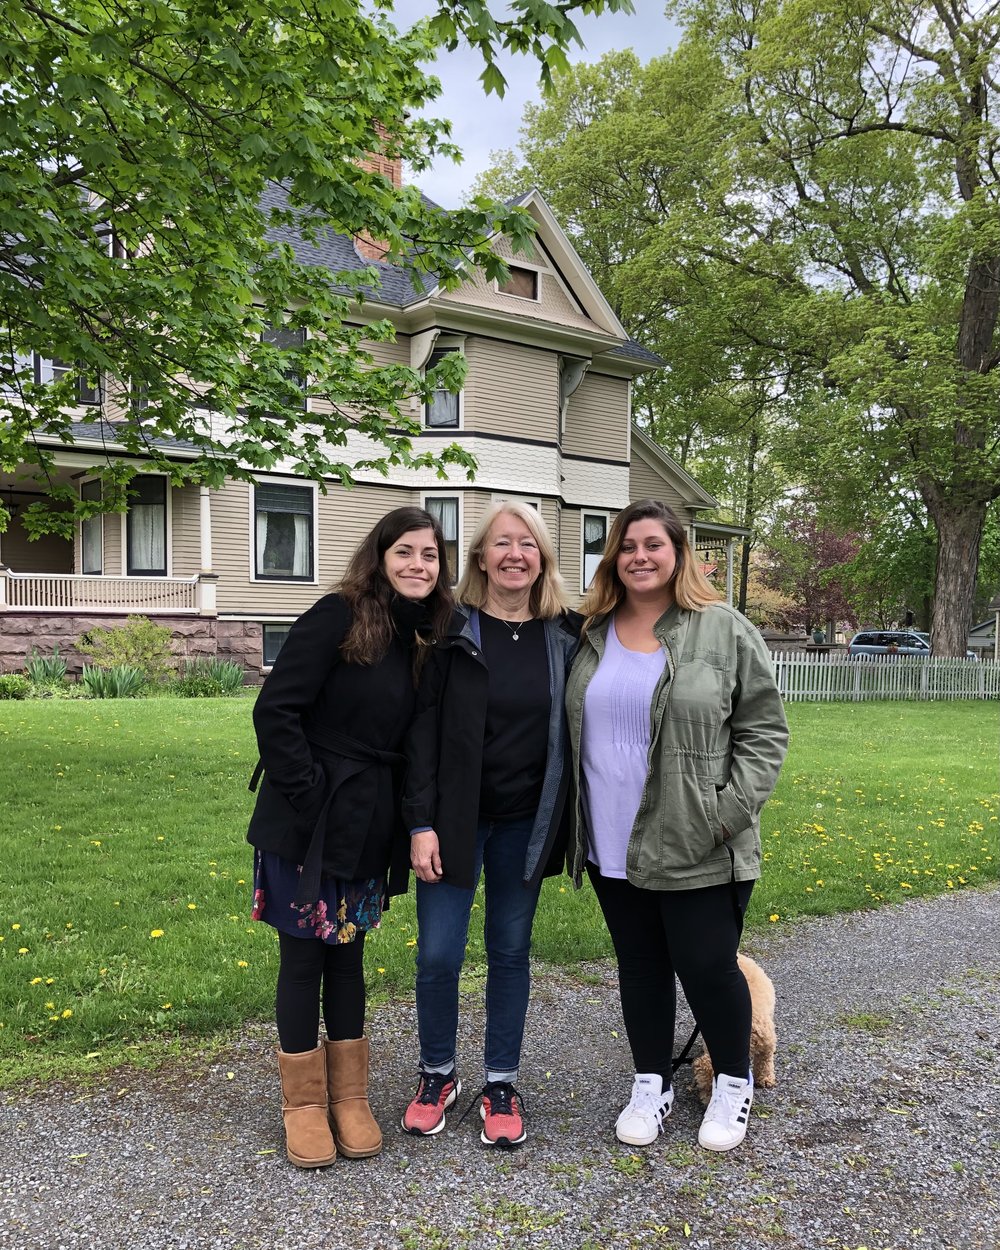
x=138 y=246
x=824 y=213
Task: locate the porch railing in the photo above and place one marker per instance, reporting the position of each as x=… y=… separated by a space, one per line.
x=65 y=592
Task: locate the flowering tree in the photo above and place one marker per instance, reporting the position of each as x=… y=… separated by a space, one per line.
x=804 y=561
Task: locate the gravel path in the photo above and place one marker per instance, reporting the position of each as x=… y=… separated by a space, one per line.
x=881 y=1134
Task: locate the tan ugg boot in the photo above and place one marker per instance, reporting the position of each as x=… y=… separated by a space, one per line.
x=354 y=1128
x=308 y=1139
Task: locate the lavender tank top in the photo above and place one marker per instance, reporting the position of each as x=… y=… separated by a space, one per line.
x=615 y=748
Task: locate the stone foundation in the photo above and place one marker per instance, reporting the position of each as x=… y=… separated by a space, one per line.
x=194 y=637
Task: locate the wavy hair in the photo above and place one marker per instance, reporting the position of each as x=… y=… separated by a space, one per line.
x=369 y=594
x=691 y=589
x=548 y=595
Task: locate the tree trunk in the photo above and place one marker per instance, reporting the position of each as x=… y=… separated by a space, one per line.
x=960 y=532
x=749 y=512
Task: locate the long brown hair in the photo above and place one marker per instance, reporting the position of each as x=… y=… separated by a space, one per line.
x=691 y=589
x=548 y=594
x=369 y=594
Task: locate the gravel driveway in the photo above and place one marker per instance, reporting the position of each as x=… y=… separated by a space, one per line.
x=883 y=1131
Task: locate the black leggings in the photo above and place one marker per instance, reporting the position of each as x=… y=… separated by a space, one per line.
x=693 y=934
x=307 y=964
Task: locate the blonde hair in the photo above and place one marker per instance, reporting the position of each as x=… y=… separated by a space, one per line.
x=548 y=594
x=691 y=589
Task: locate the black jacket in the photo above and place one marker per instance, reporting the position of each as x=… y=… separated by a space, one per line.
x=329 y=734
x=444 y=750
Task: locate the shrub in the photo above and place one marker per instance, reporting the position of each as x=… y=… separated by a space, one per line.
x=45 y=670
x=210 y=678
x=14 y=686
x=122 y=681
x=136 y=644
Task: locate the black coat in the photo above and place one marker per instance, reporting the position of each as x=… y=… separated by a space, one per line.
x=444 y=750
x=329 y=734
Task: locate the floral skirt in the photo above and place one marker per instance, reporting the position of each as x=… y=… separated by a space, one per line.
x=343 y=910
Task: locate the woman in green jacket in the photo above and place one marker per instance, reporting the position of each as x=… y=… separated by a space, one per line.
x=678 y=734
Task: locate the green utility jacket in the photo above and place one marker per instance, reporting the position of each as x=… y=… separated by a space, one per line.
x=718 y=737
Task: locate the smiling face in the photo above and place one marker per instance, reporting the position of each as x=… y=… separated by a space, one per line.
x=510 y=559
x=646 y=561
x=411 y=563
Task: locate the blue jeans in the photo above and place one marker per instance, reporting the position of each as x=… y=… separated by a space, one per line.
x=443 y=912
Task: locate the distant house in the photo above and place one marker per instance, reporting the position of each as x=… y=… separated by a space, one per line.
x=546 y=410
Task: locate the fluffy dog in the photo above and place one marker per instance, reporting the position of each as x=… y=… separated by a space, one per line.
x=762 y=1034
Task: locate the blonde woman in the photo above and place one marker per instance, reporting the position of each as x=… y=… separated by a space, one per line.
x=678 y=734
x=487 y=795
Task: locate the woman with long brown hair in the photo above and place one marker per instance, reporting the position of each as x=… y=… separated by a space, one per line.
x=330 y=849
x=677 y=733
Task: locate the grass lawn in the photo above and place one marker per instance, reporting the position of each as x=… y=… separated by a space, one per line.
x=125 y=890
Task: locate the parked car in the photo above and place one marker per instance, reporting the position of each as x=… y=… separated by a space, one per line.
x=889 y=642
x=894 y=642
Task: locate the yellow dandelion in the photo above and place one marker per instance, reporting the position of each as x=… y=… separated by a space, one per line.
x=242 y=963
x=50 y=1006
x=412 y=942
x=380 y=971
x=774 y=917
x=22 y=950
x=67 y=1013
x=156 y=933
x=192 y=906
x=35 y=981
x=166 y=1006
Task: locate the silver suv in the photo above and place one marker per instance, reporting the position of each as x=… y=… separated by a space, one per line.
x=889 y=642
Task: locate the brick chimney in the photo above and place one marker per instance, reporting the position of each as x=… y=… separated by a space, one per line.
x=390 y=167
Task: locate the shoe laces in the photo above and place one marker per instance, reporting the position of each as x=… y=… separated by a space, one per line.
x=501 y=1095
x=644 y=1101
x=727 y=1104
x=432 y=1083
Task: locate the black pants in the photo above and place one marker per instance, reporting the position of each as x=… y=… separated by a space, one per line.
x=311 y=970
x=695 y=935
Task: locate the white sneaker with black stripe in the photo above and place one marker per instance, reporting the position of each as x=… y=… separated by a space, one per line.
x=641 y=1122
x=725 y=1123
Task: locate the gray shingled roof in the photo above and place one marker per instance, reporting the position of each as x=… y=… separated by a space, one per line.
x=338 y=253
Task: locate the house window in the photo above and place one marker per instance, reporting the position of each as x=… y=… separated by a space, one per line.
x=283 y=530
x=18 y=363
x=274 y=639
x=146 y=527
x=92 y=532
x=442 y=410
x=287 y=338
x=52 y=369
x=444 y=508
x=522 y=282
x=595 y=536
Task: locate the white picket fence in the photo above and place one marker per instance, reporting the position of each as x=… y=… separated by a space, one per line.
x=831 y=677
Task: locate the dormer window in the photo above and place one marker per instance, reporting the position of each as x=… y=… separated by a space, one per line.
x=522 y=282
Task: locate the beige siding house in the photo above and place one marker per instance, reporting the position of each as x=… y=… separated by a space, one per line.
x=545 y=410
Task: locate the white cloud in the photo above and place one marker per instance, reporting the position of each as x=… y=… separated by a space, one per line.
x=483 y=124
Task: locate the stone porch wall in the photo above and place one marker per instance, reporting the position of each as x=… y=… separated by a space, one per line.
x=195 y=637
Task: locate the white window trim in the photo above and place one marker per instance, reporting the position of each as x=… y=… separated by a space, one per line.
x=446 y=343
x=168 y=535
x=606 y=517
x=537 y=270
x=100 y=519
x=451 y=494
x=266 y=668
x=252 y=533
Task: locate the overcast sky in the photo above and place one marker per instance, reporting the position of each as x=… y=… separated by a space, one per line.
x=481 y=124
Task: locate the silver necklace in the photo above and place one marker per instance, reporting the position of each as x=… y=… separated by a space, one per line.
x=514 y=628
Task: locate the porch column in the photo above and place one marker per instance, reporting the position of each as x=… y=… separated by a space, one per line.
x=205 y=507
x=3 y=586
x=729 y=570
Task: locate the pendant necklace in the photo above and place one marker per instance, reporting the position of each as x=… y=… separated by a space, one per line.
x=514 y=628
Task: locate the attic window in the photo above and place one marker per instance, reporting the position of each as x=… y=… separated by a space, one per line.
x=522 y=282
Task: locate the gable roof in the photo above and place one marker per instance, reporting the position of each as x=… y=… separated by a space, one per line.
x=695 y=496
